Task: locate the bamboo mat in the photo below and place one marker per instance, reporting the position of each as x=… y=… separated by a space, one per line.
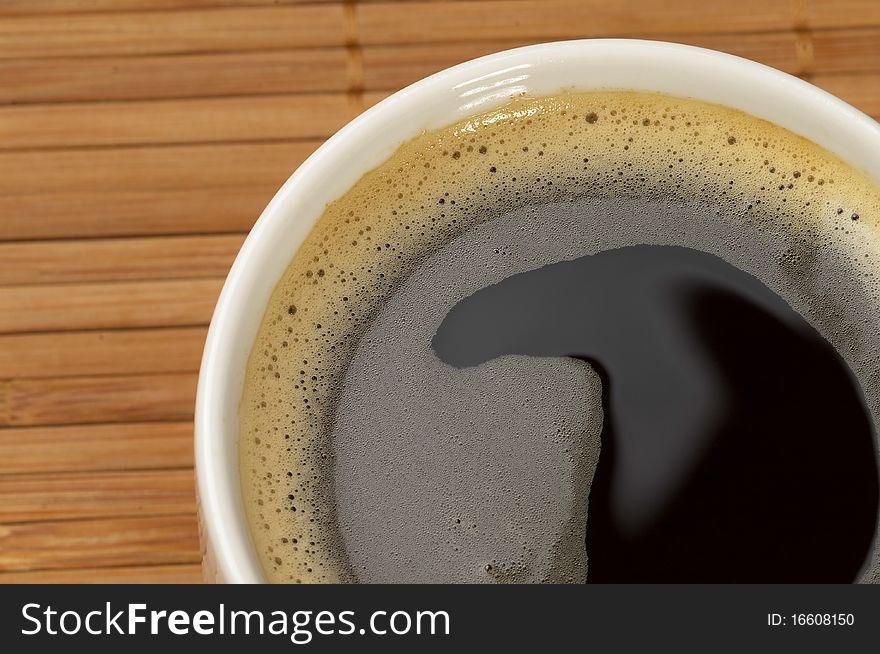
x=140 y=139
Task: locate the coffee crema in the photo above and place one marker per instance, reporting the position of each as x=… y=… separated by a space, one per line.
x=366 y=457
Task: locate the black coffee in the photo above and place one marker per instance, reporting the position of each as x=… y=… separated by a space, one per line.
x=772 y=478
x=591 y=337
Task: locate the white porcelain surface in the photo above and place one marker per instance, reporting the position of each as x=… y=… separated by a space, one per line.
x=469 y=88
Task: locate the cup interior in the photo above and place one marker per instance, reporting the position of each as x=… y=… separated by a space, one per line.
x=448 y=96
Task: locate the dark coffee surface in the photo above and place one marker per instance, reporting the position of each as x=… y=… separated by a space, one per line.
x=653 y=405
x=732 y=430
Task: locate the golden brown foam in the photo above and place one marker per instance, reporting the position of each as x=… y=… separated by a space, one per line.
x=441 y=183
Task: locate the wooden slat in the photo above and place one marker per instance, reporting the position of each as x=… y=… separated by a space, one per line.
x=173 y=76
x=57 y=496
x=142 y=190
x=187 y=573
x=861 y=91
x=27 y=7
x=147 y=169
x=133 y=213
x=97 y=447
x=81 y=400
x=425 y=22
x=841 y=51
x=263 y=28
x=95 y=260
x=470 y=20
x=838 y=13
x=178 y=121
x=125 y=352
x=153 y=32
x=107 y=305
x=99 y=543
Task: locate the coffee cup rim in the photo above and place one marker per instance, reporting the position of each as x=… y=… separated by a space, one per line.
x=466 y=89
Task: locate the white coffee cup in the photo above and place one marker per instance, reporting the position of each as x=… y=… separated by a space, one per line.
x=470 y=88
